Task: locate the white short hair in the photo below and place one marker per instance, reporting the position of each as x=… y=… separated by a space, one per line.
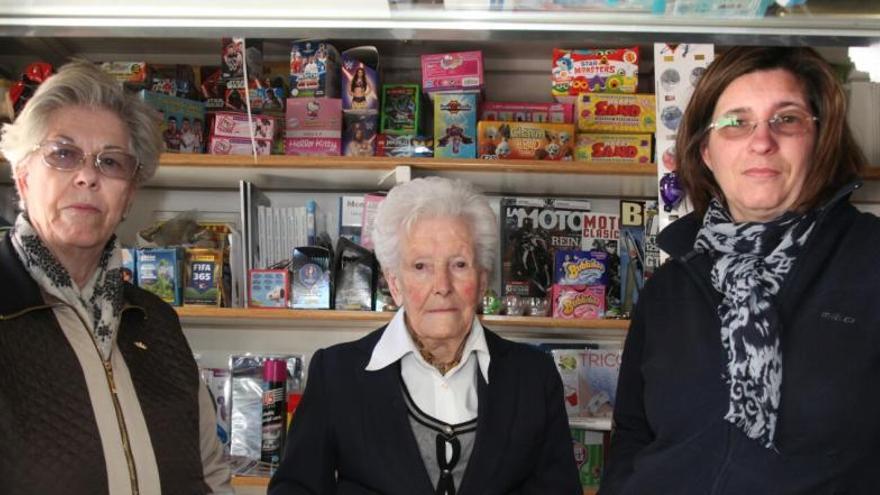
x=84 y=84
x=434 y=197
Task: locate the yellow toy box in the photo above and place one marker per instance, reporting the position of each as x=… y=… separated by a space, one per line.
x=605 y=112
x=601 y=148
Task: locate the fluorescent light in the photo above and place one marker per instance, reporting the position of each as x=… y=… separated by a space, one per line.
x=867 y=59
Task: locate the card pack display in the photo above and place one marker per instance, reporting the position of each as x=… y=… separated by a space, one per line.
x=129 y=264
x=579 y=302
x=404 y=145
x=158 y=271
x=310 y=286
x=237 y=125
x=182 y=121
x=130 y=74
x=219 y=145
x=356 y=273
x=455 y=125
x=532 y=230
x=313 y=127
x=455 y=71
x=401 y=109
x=204 y=276
x=552 y=113
x=359 y=134
x=603 y=112
x=360 y=80
x=235 y=52
x=601 y=232
x=617 y=148
x=525 y=140
x=576 y=267
x=268 y=288
x=246 y=399
x=613 y=70
x=351 y=217
x=589 y=456
x=314 y=69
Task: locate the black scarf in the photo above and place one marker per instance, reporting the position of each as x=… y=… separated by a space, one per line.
x=750 y=262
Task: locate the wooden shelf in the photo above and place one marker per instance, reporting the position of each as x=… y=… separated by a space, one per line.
x=290 y=319
x=365 y=174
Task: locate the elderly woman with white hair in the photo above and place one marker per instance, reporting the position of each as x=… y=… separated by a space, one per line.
x=99 y=391
x=432 y=403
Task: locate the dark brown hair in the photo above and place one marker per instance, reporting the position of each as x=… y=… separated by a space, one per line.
x=837 y=158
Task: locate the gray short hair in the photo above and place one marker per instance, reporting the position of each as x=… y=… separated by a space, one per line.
x=433 y=197
x=84 y=84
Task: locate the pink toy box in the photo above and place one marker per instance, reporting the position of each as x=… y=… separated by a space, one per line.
x=552 y=113
x=219 y=145
x=235 y=124
x=314 y=127
x=578 y=302
x=458 y=71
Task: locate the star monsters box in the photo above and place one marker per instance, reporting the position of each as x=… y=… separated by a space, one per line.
x=594 y=71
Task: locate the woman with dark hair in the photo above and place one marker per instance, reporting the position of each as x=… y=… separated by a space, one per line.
x=753 y=356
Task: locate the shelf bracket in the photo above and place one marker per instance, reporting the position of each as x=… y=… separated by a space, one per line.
x=401 y=174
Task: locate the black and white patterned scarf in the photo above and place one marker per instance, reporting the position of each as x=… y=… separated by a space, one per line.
x=99 y=303
x=750 y=262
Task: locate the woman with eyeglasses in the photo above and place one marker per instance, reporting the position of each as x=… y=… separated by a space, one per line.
x=753 y=358
x=99 y=392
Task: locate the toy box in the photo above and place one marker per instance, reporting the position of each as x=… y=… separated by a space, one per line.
x=204 y=269
x=602 y=112
x=234 y=124
x=351 y=217
x=525 y=140
x=371 y=208
x=235 y=52
x=313 y=127
x=310 y=287
x=575 y=267
x=268 y=288
x=554 y=113
x=126 y=72
x=314 y=69
x=158 y=271
x=401 y=108
x=455 y=125
x=404 y=145
x=718 y=8
x=129 y=264
x=452 y=71
x=182 y=121
x=359 y=134
x=219 y=145
x=625 y=148
x=594 y=71
x=582 y=302
x=360 y=79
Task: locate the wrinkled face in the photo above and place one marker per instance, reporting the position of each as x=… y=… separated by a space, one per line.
x=761 y=174
x=78 y=209
x=438 y=281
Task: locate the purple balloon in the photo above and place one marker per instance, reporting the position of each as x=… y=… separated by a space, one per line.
x=670 y=191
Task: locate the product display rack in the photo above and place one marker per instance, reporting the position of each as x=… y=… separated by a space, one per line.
x=186 y=31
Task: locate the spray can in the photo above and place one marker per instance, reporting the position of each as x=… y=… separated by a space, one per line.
x=274 y=410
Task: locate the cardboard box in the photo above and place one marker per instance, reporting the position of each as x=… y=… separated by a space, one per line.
x=360 y=79
x=182 y=121
x=219 y=145
x=455 y=71
x=359 y=134
x=404 y=145
x=313 y=127
x=401 y=109
x=525 y=140
x=455 y=125
x=158 y=271
x=237 y=125
x=594 y=71
x=314 y=69
x=552 y=113
x=268 y=288
x=602 y=112
x=622 y=148
x=204 y=272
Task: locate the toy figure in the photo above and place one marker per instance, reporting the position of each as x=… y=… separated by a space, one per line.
x=455 y=134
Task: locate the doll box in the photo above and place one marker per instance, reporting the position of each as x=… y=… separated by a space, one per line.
x=360 y=79
x=525 y=140
x=452 y=71
x=620 y=148
x=603 y=112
